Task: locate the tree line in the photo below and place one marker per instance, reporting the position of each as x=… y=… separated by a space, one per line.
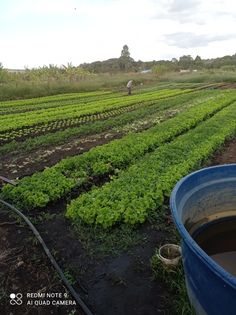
x=125 y=63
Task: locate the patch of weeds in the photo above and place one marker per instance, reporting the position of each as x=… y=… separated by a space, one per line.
x=42 y=217
x=100 y=243
x=116 y=280
x=162 y=220
x=15 y=217
x=174 y=279
x=69 y=276
x=33 y=240
x=36 y=258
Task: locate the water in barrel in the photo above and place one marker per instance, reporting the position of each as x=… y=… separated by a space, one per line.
x=218 y=240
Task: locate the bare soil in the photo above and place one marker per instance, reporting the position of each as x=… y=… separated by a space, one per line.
x=26 y=269
x=16 y=166
x=226 y=155
x=228 y=86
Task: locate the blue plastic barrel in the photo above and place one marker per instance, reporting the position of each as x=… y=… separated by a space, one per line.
x=198 y=198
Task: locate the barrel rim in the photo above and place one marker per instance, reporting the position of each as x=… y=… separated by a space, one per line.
x=217 y=269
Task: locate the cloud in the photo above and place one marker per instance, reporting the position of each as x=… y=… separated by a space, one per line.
x=191 y=40
x=183 y=6
x=181 y=11
x=77 y=31
x=198 y=12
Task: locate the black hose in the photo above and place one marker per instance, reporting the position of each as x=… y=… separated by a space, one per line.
x=53 y=261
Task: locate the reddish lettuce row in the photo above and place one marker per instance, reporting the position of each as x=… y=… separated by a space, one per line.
x=180 y=102
x=107 y=159
x=14 y=121
x=141 y=189
x=60 y=124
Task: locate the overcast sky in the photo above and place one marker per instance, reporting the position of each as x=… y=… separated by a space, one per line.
x=34 y=33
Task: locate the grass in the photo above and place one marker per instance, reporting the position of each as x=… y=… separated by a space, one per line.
x=177 y=301
x=201 y=76
x=20 y=89
x=100 y=243
x=23 y=89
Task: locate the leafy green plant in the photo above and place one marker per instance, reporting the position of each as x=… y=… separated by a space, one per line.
x=55 y=182
x=142 y=187
x=121 y=118
x=19 y=120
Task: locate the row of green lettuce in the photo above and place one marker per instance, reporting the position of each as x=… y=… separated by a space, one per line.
x=179 y=102
x=70 y=98
x=55 y=182
x=51 y=99
x=100 y=102
x=81 y=96
x=142 y=188
x=58 y=125
x=86 y=96
x=54 y=104
x=61 y=100
x=16 y=121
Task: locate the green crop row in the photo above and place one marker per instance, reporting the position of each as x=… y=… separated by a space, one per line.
x=141 y=189
x=15 y=121
x=179 y=102
x=55 y=104
x=64 y=100
x=52 y=126
x=53 y=98
x=61 y=124
x=61 y=100
x=40 y=189
x=99 y=102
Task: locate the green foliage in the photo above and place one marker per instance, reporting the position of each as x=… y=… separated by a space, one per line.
x=53 y=183
x=93 y=126
x=77 y=110
x=142 y=187
x=162 y=69
x=125 y=52
x=53 y=186
x=175 y=281
x=186 y=62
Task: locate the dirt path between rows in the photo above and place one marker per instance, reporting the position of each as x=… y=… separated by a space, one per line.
x=28 y=163
x=226 y=155
x=18 y=164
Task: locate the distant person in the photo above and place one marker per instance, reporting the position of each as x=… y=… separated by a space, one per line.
x=129 y=86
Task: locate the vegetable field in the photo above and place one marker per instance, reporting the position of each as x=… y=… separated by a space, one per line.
x=104 y=163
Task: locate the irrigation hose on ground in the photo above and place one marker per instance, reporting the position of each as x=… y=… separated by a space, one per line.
x=53 y=261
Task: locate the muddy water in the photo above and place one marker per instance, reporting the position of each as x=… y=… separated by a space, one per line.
x=218 y=240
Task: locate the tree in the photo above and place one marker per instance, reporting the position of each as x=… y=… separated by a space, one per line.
x=4 y=76
x=186 y=62
x=125 y=52
x=198 y=62
x=126 y=63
